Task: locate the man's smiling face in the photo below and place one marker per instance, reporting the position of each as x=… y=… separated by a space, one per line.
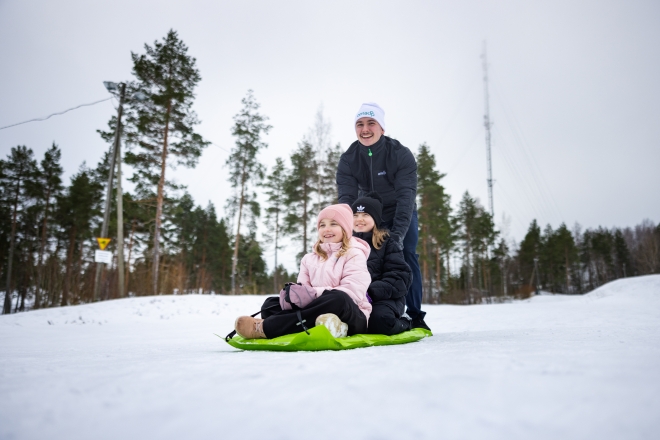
x=368 y=131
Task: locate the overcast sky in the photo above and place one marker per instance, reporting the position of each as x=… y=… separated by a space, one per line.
x=574 y=89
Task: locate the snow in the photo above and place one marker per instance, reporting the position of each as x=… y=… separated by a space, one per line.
x=553 y=366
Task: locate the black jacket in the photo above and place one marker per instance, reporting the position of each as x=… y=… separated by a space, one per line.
x=391 y=171
x=390 y=274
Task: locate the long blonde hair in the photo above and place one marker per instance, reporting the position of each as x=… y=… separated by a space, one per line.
x=345 y=246
x=379 y=236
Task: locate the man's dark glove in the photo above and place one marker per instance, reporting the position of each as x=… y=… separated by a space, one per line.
x=397 y=239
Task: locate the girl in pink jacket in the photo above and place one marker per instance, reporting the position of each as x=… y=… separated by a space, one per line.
x=331 y=289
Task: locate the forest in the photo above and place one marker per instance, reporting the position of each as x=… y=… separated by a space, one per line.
x=48 y=227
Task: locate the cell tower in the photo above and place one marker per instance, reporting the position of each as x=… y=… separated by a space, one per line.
x=488 y=125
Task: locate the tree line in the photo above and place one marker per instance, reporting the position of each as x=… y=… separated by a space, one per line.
x=465 y=260
x=48 y=227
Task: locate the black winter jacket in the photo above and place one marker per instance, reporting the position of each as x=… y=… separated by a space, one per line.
x=391 y=171
x=390 y=274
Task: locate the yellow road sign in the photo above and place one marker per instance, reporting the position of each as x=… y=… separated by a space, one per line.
x=103 y=242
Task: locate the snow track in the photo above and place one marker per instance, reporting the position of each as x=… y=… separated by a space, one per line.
x=569 y=367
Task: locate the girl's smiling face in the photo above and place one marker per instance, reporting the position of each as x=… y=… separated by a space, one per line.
x=363 y=222
x=330 y=231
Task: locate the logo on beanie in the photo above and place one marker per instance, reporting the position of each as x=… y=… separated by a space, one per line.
x=360 y=208
x=364 y=114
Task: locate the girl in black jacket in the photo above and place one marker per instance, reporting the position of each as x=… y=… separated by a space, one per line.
x=390 y=275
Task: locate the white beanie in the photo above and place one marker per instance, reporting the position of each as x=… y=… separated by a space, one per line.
x=371 y=110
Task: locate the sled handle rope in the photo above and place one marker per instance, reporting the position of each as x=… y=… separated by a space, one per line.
x=233 y=332
x=301 y=321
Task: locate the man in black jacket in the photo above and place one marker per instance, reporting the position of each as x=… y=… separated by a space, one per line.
x=379 y=163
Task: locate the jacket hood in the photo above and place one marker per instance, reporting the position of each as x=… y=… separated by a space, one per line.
x=361 y=246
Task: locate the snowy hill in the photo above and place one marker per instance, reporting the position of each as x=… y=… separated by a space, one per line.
x=551 y=367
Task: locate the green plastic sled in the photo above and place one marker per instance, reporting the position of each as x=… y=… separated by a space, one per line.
x=319 y=338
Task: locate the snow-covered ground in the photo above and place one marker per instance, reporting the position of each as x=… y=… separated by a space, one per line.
x=552 y=367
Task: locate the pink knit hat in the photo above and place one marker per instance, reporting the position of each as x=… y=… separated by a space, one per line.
x=342 y=214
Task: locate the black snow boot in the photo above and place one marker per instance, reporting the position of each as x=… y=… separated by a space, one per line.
x=419 y=323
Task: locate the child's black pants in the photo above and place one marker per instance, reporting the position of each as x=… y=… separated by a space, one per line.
x=278 y=322
x=385 y=321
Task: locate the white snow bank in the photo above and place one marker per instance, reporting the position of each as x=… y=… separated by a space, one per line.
x=551 y=367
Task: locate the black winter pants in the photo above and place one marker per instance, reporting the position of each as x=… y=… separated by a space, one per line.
x=385 y=321
x=278 y=322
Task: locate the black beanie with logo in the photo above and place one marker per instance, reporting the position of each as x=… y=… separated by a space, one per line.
x=372 y=204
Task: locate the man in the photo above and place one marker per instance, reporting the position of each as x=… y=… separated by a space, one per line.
x=379 y=163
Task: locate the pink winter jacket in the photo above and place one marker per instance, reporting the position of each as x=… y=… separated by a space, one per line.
x=348 y=273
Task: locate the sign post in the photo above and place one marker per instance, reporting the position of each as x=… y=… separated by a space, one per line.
x=103 y=256
x=103 y=242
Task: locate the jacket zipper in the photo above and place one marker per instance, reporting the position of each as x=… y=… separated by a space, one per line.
x=371 y=169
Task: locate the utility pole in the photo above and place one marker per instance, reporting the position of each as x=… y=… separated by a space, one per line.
x=108 y=189
x=120 y=221
x=488 y=125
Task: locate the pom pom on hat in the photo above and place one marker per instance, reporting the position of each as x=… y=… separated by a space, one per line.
x=372 y=204
x=340 y=213
x=371 y=110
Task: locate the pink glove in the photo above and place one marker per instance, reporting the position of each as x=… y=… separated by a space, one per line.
x=283 y=303
x=296 y=294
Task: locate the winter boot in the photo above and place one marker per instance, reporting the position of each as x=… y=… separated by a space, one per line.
x=419 y=323
x=332 y=322
x=249 y=327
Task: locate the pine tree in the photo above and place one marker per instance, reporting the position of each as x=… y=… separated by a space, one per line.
x=27 y=237
x=138 y=214
x=19 y=174
x=300 y=189
x=252 y=270
x=275 y=187
x=477 y=233
x=211 y=245
x=78 y=207
x=622 y=255
x=558 y=253
x=162 y=125
x=218 y=252
x=5 y=221
x=437 y=227
x=187 y=220
x=245 y=170
x=602 y=247
x=221 y=258
x=51 y=187
x=530 y=249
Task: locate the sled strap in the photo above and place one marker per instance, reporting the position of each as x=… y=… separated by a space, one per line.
x=301 y=321
x=233 y=332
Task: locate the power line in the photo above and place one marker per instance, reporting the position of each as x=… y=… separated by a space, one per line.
x=528 y=152
x=450 y=122
x=468 y=148
x=512 y=205
x=222 y=148
x=522 y=178
x=524 y=155
x=540 y=183
x=57 y=114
